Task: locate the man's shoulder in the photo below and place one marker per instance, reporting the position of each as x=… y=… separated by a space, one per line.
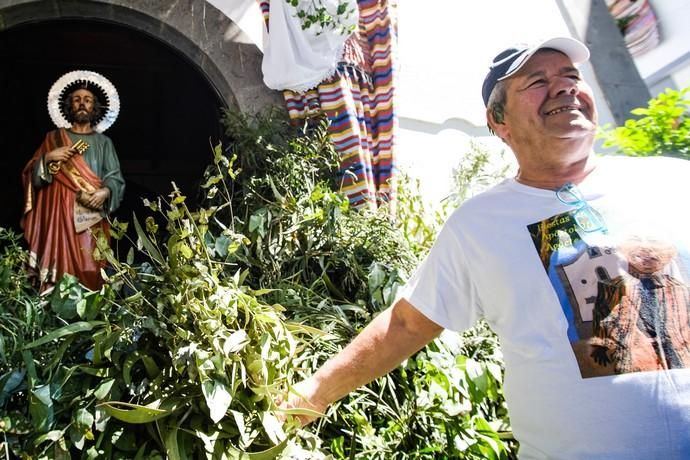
x=643 y=163
x=484 y=201
x=655 y=172
x=493 y=194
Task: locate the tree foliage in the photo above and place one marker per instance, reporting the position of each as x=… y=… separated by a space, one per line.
x=662 y=128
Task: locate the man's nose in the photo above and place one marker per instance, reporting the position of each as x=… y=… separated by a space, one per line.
x=564 y=85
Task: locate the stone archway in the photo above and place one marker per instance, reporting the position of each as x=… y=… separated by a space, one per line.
x=174 y=67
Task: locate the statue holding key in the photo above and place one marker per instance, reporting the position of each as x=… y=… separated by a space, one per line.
x=72 y=182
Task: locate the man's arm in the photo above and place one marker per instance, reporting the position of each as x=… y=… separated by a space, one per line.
x=393 y=336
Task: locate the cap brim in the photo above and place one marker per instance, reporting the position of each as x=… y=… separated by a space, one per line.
x=574 y=49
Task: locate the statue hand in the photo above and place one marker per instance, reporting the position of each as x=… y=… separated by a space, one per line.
x=59 y=154
x=94 y=200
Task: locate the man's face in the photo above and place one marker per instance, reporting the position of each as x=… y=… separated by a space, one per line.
x=547 y=100
x=82 y=104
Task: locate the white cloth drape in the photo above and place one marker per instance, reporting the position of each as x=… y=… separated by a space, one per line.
x=298 y=59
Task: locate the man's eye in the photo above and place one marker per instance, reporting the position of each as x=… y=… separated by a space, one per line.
x=535 y=83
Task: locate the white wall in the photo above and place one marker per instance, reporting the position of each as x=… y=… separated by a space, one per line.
x=673 y=18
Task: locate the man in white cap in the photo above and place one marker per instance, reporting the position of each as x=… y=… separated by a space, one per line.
x=528 y=256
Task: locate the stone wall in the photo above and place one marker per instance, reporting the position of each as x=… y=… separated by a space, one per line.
x=207 y=37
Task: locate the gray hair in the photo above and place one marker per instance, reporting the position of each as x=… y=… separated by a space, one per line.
x=497 y=103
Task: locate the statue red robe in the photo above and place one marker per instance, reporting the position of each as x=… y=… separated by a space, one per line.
x=55 y=247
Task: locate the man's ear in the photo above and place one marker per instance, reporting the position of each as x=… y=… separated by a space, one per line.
x=499 y=129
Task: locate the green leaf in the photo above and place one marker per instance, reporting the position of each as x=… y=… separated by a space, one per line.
x=133 y=413
x=268 y=454
x=66 y=296
x=218 y=398
x=241 y=427
x=272 y=427
x=151 y=249
x=152 y=369
x=236 y=342
x=74 y=328
x=53 y=436
x=103 y=389
x=81 y=308
x=9 y=383
x=172 y=447
x=257 y=222
x=84 y=418
x=301 y=411
x=185 y=250
x=41 y=408
x=141 y=452
x=221 y=245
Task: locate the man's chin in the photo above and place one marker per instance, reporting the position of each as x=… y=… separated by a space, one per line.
x=579 y=126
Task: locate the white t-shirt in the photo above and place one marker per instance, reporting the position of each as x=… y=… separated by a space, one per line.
x=590 y=301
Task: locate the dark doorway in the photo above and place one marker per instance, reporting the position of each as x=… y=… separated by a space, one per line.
x=170 y=113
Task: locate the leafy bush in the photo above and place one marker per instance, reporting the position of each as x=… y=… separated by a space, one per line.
x=172 y=358
x=663 y=128
x=221 y=308
x=339 y=269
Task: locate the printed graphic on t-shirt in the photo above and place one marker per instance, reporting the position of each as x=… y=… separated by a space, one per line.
x=626 y=297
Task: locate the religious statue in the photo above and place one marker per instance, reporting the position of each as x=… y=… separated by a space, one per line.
x=73 y=182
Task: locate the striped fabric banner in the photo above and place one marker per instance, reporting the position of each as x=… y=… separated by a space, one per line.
x=358 y=102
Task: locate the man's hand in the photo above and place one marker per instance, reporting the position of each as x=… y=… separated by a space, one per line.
x=60 y=154
x=302 y=403
x=94 y=200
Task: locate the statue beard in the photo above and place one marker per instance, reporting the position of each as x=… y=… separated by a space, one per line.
x=83 y=116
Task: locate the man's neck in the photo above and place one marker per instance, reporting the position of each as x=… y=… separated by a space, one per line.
x=554 y=177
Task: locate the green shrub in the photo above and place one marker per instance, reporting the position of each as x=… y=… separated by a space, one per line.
x=217 y=310
x=174 y=357
x=663 y=128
